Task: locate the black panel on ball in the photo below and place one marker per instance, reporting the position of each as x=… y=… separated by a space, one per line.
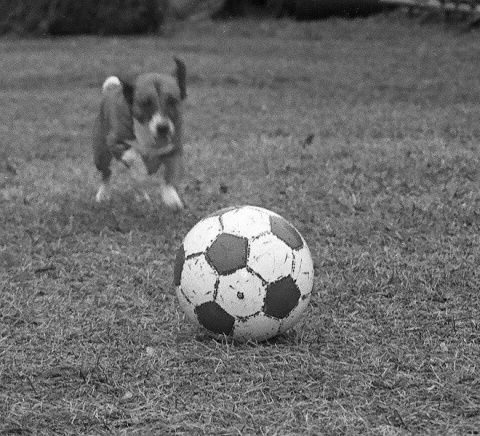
x=178 y=268
x=282 y=297
x=283 y=230
x=227 y=253
x=214 y=318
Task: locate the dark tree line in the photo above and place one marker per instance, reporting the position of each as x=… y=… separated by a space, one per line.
x=63 y=17
x=106 y=17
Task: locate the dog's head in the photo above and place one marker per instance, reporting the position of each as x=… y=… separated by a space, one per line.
x=155 y=102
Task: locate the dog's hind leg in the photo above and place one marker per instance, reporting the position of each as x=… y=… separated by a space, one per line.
x=102 y=158
x=103 y=192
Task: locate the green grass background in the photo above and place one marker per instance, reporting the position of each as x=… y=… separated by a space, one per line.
x=92 y=341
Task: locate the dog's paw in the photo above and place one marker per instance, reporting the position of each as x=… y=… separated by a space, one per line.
x=171 y=198
x=103 y=194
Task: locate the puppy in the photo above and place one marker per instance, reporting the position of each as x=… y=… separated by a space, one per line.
x=140 y=124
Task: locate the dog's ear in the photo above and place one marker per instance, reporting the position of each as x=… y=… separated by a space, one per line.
x=127 y=88
x=181 y=75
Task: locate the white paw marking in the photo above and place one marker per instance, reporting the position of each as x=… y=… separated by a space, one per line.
x=171 y=198
x=103 y=193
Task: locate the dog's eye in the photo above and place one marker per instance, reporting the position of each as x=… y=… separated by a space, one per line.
x=147 y=103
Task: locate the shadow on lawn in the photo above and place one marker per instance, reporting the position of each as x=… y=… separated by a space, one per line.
x=69 y=216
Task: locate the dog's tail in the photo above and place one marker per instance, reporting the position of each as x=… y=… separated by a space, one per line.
x=110 y=83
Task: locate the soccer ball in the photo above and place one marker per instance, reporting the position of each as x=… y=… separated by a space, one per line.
x=244 y=272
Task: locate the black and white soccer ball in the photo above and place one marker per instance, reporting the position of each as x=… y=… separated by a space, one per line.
x=244 y=272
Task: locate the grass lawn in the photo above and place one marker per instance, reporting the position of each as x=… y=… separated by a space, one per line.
x=92 y=340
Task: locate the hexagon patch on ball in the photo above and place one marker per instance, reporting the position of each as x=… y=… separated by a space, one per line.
x=244 y=272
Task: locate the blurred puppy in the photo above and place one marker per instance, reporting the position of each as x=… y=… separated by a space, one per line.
x=140 y=124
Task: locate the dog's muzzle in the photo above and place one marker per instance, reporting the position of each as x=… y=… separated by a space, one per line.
x=162 y=130
x=161 y=127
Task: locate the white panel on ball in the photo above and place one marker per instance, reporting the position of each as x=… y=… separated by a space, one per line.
x=270 y=257
x=188 y=308
x=241 y=293
x=260 y=327
x=246 y=222
x=295 y=314
x=200 y=237
x=198 y=280
x=303 y=270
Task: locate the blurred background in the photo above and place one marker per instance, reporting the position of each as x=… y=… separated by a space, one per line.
x=107 y=17
x=113 y=17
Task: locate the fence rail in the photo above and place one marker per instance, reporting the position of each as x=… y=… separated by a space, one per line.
x=469 y=9
x=472 y=6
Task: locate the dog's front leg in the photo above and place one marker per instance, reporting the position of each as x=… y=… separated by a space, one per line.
x=170 y=196
x=173 y=171
x=138 y=171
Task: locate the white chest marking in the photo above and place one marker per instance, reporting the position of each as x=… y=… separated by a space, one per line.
x=145 y=138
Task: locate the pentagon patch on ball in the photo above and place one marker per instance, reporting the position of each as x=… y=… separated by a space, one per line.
x=244 y=272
